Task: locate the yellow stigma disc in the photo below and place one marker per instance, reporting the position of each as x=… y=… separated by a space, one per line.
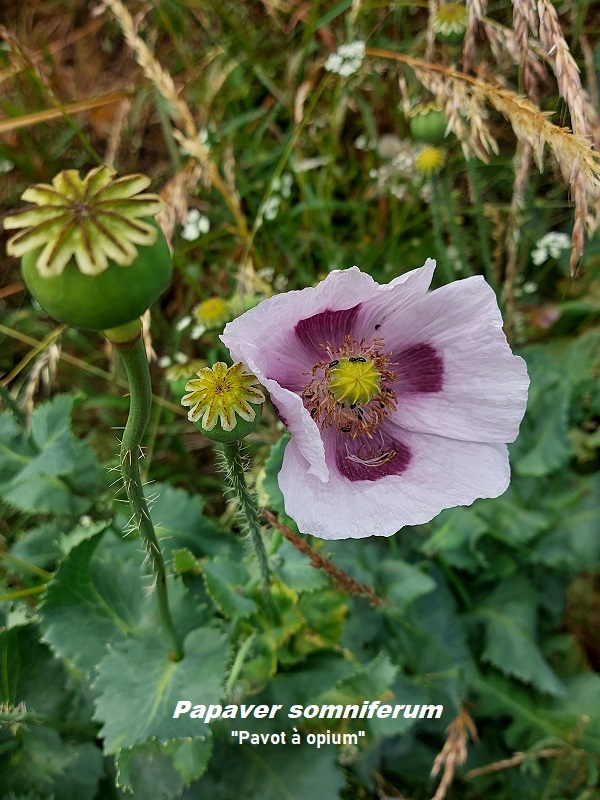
x=354 y=381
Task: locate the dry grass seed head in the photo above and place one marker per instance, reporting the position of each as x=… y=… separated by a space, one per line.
x=454 y=752
x=464 y=106
x=476 y=10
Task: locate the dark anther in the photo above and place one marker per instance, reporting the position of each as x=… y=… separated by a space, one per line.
x=313 y=411
x=333 y=363
x=346 y=430
x=381 y=405
x=353 y=405
x=308 y=395
x=377 y=327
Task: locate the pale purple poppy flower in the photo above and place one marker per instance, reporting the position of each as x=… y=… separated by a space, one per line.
x=399 y=400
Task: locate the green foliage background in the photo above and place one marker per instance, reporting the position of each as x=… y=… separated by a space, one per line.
x=492 y=610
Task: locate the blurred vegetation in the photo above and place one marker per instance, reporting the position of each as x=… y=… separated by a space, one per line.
x=290 y=171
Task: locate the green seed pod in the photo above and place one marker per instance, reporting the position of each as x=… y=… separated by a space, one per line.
x=240 y=430
x=427 y=123
x=92 y=256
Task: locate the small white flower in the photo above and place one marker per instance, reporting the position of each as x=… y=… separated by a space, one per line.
x=164 y=362
x=181 y=358
x=266 y=273
x=6 y=165
x=530 y=287
x=347 y=60
x=400 y=192
x=280 y=283
x=195 y=224
x=390 y=145
x=271 y=207
x=183 y=323
x=362 y=142
x=306 y=164
x=453 y=257
x=550 y=246
x=287 y=181
x=197 y=331
x=538 y=257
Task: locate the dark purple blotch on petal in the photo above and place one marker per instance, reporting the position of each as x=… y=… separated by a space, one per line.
x=395 y=458
x=327 y=327
x=419 y=368
x=278 y=414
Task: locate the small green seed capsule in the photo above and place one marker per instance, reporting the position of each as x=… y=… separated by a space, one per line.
x=241 y=429
x=428 y=123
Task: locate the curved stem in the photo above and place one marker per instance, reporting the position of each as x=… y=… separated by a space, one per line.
x=236 y=477
x=133 y=355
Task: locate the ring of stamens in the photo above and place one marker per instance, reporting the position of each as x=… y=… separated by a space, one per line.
x=377 y=398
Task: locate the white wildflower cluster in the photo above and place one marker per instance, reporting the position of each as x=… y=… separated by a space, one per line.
x=363 y=142
x=183 y=323
x=195 y=225
x=284 y=185
x=6 y=165
x=278 y=282
x=453 y=258
x=178 y=358
x=550 y=246
x=271 y=207
x=347 y=59
x=266 y=274
x=389 y=146
x=398 y=172
x=524 y=287
x=281 y=190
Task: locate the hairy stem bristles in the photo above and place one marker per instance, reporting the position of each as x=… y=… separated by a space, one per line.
x=133 y=355
x=234 y=464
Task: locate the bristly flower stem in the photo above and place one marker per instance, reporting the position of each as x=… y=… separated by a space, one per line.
x=236 y=477
x=133 y=355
